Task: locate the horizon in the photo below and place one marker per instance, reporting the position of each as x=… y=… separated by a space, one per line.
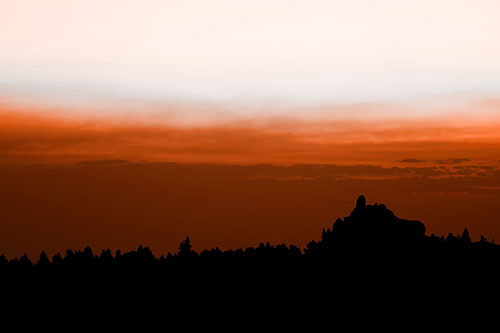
x=301 y=248
x=120 y=121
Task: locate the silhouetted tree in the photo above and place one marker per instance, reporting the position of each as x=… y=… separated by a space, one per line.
x=57 y=259
x=450 y=239
x=44 y=260
x=465 y=238
x=3 y=260
x=185 y=248
x=25 y=261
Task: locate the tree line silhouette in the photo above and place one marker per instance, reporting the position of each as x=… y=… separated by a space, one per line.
x=370 y=257
x=370 y=235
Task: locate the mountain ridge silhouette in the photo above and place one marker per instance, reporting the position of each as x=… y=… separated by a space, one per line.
x=369 y=227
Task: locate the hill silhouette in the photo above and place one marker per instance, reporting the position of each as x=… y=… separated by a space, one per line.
x=373 y=226
x=369 y=230
x=370 y=265
x=369 y=254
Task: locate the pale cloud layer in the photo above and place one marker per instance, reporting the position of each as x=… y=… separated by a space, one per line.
x=264 y=50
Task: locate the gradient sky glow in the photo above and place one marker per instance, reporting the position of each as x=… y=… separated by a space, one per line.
x=289 y=51
x=126 y=122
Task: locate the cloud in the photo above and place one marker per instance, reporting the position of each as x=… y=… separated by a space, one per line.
x=120 y=205
x=31 y=136
x=103 y=162
x=452 y=161
x=411 y=160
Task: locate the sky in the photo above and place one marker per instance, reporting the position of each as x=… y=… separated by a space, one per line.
x=249 y=120
x=261 y=51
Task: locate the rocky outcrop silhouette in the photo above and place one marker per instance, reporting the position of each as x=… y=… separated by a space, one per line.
x=368 y=230
x=370 y=260
x=371 y=233
x=369 y=255
x=375 y=223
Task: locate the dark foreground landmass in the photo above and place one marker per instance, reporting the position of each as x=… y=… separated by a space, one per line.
x=370 y=238
x=370 y=255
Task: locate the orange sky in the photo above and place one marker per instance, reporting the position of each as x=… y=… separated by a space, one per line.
x=126 y=122
x=35 y=135
x=68 y=182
